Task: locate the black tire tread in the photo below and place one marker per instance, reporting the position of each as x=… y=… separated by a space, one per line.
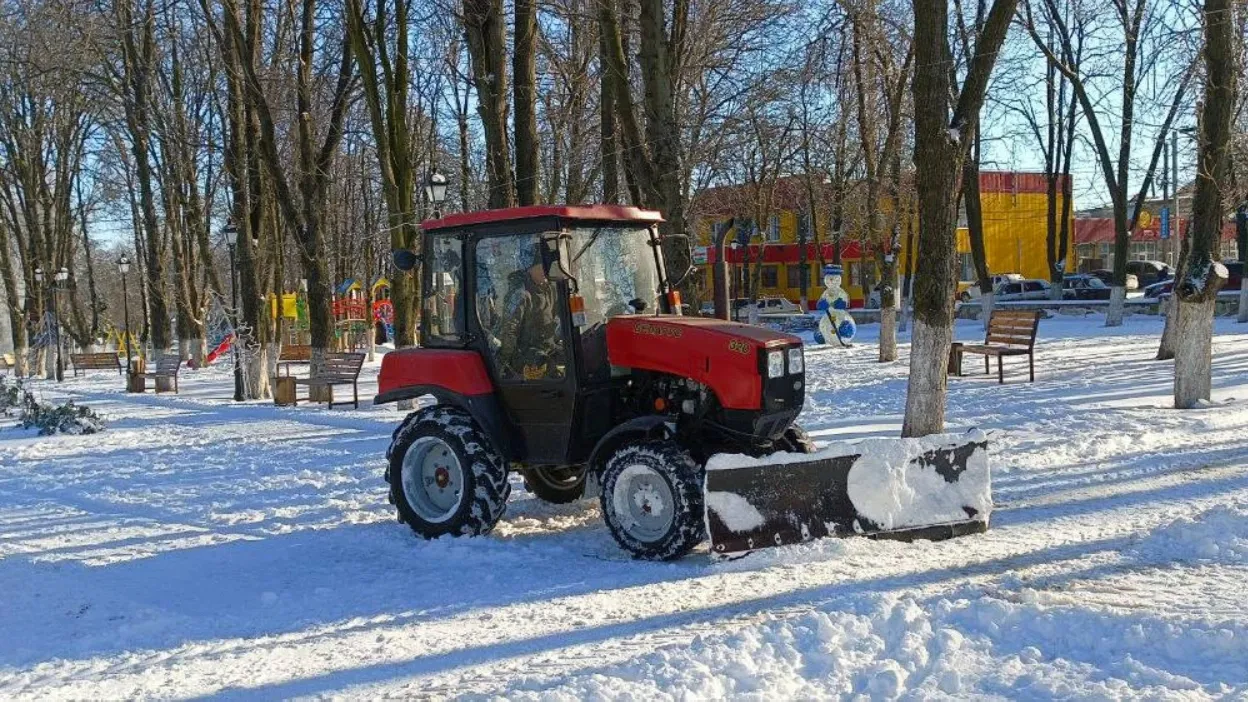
x=485 y=468
x=686 y=478
x=549 y=493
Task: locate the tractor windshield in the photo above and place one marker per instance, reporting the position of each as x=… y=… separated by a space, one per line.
x=617 y=274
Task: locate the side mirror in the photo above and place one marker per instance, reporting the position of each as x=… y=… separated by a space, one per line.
x=405 y=260
x=555 y=263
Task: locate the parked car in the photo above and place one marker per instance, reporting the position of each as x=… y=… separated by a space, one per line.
x=765 y=305
x=1084 y=287
x=1148 y=272
x=969 y=290
x=1234 y=281
x=1106 y=276
x=1022 y=290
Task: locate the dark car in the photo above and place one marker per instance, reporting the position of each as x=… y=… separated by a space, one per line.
x=1234 y=281
x=1084 y=287
x=1149 y=272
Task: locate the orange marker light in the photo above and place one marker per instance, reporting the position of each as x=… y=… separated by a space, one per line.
x=673 y=301
x=577 y=304
x=660 y=404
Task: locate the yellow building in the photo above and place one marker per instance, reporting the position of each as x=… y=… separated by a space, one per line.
x=1014 y=205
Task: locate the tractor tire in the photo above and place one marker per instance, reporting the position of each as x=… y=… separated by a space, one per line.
x=652 y=500
x=795 y=440
x=555 y=484
x=445 y=475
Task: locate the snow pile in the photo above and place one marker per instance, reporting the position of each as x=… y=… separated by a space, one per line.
x=734 y=511
x=890 y=484
x=1217 y=534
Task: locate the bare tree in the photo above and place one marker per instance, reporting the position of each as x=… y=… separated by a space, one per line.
x=1198 y=282
x=1143 y=29
x=941 y=143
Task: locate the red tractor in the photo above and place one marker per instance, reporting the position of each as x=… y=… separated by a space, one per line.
x=553 y=344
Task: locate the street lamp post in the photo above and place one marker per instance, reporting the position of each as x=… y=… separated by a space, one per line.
x=435 y=192
x=123 y=265
x=231 y=242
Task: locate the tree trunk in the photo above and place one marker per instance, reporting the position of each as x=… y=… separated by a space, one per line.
x=524 y=65
x=486 y=37
x=1117 y=306
x=936 y=160
x=940 y=143
x=973 y=206
x=1241 y=240
x=1197 y=284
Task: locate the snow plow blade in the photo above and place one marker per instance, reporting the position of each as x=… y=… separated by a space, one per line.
x=934 y=487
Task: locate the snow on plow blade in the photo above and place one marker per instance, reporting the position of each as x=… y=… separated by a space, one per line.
x=934 y=487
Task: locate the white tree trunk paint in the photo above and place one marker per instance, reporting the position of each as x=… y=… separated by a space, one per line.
x=986 y=302
x=21 y=361
x=1170 y=308
x=1243 y=304
x=193 y=350
x=258 y=366
x=925 y=395
x=1117 y=304
x=1193 y=353
x=888 y=334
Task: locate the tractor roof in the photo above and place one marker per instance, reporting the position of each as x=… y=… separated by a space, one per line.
x=597 y=213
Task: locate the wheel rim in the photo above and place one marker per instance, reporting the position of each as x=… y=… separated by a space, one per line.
x=433 y=479
x=644 y=503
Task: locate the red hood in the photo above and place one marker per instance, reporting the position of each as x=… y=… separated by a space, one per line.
x=720 y=354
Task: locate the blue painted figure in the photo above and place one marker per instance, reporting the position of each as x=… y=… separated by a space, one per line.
x=834 y=304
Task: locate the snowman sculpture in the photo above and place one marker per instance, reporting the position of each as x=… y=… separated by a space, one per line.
x=835 y=322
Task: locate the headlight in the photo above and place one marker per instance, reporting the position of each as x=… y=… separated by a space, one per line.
x=795 y=360
x=775 y=364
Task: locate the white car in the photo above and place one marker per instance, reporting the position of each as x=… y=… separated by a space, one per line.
x=1022 y=290
x=767 y=305
x=972 y=292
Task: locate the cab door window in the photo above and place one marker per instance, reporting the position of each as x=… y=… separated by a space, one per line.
x=518 y=310
x=443 y=309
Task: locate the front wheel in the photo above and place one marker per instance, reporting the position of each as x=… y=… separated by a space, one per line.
x=652 y=500
x=445 y=476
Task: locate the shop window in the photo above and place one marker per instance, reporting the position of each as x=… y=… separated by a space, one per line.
x=770 y=277
x=773 y=229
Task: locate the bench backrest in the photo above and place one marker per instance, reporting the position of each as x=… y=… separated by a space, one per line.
x=341 y=365
x=168 y=364
x=95 y=360
x=295 y=352
x=1014 y=328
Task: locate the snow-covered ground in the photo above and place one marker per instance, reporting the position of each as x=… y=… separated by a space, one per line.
x=199 y=547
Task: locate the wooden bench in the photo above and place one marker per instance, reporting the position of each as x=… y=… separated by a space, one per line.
x=95 y=361
x=338 y=369
x=8 y=361
x=1010 y=333
x=293 y=354
x=166 y=368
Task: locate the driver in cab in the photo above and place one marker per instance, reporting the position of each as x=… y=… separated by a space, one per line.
x=529 y=336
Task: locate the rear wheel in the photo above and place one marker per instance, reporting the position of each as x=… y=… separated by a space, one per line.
x=556 y=484
x=652 y=500
x=445 y=476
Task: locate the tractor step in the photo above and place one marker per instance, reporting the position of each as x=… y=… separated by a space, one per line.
x=934 y=487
